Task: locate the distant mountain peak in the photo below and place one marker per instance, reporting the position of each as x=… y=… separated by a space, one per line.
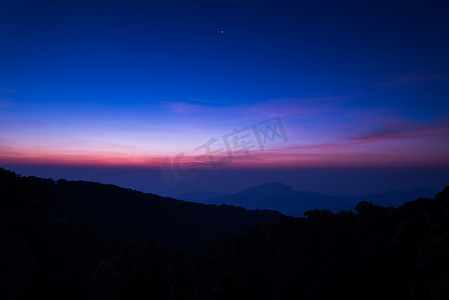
x=271 y=187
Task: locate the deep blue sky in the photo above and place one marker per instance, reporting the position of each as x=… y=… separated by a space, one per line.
x=357 y=83
x=106 y=52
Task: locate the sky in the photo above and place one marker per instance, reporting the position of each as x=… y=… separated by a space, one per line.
x=177 y=86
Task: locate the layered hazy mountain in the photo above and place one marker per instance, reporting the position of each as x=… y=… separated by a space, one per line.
x=280 y=197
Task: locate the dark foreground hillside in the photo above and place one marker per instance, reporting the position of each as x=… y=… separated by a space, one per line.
x=373 y=253
x=179 y=224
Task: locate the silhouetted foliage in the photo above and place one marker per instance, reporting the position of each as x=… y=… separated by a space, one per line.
x=372 y=253
x=179 y=224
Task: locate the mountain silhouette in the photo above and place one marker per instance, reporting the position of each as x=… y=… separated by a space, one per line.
x=370 y=252
x=373 y=252
x=179 y=224
x=280 y=197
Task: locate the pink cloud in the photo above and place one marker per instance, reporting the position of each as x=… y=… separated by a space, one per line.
x=405 y=130
x=320 y=133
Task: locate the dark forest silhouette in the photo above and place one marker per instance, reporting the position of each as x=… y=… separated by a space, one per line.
x=53 y=247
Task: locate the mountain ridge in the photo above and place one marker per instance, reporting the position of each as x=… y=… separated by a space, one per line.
x=177 y=223
x=280 y=197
